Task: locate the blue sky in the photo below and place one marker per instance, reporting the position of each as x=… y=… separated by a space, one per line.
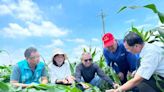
x=70 y=25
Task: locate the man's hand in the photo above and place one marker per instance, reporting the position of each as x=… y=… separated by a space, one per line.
x=84 y=85
x=44 y=80
x=114 y=90
x=121 y=75
x=110 y=90
x=133 y=73
x=115 y=85
x=16 y=84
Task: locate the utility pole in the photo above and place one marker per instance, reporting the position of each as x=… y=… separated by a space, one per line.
x=103 y=21
x=102 y=15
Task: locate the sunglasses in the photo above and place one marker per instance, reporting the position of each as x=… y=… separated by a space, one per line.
x=86 y=60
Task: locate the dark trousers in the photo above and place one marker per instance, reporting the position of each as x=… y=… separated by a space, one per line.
x=125 y=79
x=150 y=85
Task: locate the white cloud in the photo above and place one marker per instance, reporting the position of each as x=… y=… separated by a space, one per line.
x=79 y=50
x=46 y=28
x=130 y=21
x=55 y=43
x=29 y=12
x=33 y=10
x=15 y=55
x=95 y=40
x=14 y=30
x=5 y=59
x=25 y=10
x=5 y=10
x=77 y=40
x=145 y=26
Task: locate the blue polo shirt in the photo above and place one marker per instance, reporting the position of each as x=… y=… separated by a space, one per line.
x=121 y=60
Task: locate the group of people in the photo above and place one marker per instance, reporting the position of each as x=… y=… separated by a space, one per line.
x=128 y=57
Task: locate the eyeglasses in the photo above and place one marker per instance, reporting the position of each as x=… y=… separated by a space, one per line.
x=34 y=57
x=86 y=60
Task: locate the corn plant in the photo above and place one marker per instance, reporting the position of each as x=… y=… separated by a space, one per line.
x=144 y=35
x=160 y=30
x=72 y=67
x=149 y=6
x=3 y=87
x=93 y=53
x=150 y=34
x=157 y=82
x=160 y=36
x=5 y=72
x=6 y=87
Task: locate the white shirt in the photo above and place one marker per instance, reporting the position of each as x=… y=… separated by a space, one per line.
x=59 y=72
x=152 y=61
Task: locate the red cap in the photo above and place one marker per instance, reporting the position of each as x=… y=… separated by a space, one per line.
x=108 y=39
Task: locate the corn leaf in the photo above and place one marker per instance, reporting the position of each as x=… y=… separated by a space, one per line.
x=4 y=87
x=152 y=7
x=122 y=8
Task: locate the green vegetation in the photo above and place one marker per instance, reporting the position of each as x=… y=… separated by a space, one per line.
x=5 y=70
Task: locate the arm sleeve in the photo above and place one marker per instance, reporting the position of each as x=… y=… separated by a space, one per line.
x=102 y=75
x=15 y=75
x=148 y=65
x=68 y=69
x=109 y=61
x=133 y=61
x=78 y=73
x=51 y=74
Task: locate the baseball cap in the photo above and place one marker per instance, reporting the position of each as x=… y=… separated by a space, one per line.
x=108 y=39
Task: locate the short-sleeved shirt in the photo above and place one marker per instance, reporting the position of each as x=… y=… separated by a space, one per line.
x=16 y=73
x=152 y=61
x=121 y=60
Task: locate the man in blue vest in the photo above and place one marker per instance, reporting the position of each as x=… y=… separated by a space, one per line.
x=118 y=57
x=30 y=70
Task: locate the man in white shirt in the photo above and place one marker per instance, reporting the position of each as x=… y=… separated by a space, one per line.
x=152 y=63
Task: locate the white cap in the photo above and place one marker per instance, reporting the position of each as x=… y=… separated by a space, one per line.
x=59 y=51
